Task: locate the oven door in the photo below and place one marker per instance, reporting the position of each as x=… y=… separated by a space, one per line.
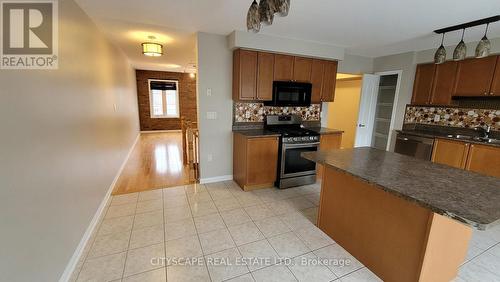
x=292 y=164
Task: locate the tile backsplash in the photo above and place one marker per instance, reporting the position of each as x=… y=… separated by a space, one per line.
x=453 y=116
x=255 y=112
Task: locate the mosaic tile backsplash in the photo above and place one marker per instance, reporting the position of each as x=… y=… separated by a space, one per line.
x=255 y=112
x=455 y=117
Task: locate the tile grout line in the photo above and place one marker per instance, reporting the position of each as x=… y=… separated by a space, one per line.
x=127 y=251
x=164 y=224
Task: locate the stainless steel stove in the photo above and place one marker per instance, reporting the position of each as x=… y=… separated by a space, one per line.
x=293 y=170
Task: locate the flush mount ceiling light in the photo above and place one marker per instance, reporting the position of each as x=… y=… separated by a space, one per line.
x=461 y=50
x=263 y=13
x=482 y=49
x=440 y=56
x=253 y=19
x=152 y=49
x=484 y=46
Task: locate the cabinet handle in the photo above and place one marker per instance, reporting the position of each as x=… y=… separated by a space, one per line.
x=485 y=93
x=491 y=93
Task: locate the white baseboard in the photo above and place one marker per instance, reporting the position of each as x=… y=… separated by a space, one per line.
x=216 y=179
x=162 y=131
x=68 y=271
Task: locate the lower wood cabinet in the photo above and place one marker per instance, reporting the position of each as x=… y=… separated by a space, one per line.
x=328 y=142
x=482 y=159
x=451 y=153
x=255 y=161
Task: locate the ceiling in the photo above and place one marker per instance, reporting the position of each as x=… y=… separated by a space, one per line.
x=363 y=27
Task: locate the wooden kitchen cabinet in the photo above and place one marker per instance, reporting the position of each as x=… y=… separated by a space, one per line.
x=329 y=81
x=484 y=159
x=317 y=73
x=495 y=84
x=328 y=142
x=302 y=69
x=244 y=75
x=474 y=76
x=443 y=82
x=283 y=67
x=265 y=73
x=449 y=152
x=422 y=86
x=255 y=161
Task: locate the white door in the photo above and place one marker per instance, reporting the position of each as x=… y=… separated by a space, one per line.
x=367 y=107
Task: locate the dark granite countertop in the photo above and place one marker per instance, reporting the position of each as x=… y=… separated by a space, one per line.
x=444 y=136
x=324 y=130
x=255 y=133
x=465 y=196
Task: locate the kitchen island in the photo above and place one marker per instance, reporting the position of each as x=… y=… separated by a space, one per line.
x=405 y=219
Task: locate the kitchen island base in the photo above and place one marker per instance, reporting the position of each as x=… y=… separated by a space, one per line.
x=396 y=239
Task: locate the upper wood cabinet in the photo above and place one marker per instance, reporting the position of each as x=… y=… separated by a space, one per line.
x=474 y=76
x=443 y=82
x=317 y=73
x=302 y=69
x=449 y=152
x=329 y=81
x=484 y=159
x=283 y=67
x=422 y=86
x=495 y=85
x=244 y=75
x=265 y=76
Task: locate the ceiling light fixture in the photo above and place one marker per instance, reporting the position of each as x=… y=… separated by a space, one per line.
x=281 y=7
x=484 y=46
x=152 y=49
x=253 y=19
x=461 y=50
x=266 y=15
x=440 y=55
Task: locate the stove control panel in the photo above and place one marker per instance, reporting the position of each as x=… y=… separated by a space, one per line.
x=301 y=139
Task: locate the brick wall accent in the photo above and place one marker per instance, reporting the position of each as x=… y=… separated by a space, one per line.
x=187 y=99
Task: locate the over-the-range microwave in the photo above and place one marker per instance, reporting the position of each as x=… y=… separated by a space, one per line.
x=290 y=94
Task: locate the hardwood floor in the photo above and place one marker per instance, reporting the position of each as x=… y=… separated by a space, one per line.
x=156 y=162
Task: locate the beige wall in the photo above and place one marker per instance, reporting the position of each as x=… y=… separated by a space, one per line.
x=61 y=146
x=215 y=65
x=343 y=112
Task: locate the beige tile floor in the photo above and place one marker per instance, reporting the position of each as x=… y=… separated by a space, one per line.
x=218 y=226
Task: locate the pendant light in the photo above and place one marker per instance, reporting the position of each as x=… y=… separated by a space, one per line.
x=461 y=49
x=282 y=7
x=440 y=55
x=484 y=46
x=265 y=13
x=253 y=18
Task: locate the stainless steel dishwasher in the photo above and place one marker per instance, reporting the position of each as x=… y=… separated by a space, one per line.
x=414 y=146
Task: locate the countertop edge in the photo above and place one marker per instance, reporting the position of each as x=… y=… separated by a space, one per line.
x=427 y=135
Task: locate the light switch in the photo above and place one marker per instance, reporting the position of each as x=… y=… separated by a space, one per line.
x=211 y=115
x=209 y=91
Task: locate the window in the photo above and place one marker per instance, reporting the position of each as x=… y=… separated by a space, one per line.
x=164 y=98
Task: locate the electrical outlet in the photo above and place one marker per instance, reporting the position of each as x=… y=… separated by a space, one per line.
x=209 y=157
x=211 y=115
x=209 y=91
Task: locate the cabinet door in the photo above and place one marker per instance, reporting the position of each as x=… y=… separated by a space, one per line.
x=328 y=142
x=262 y=160
x=495 y=85
x=317 y=72
x=302 y=69
x=245 y=75
x=265 y=76
x=283 y=67
x=474 y=77
x=329 y=81
x=448 y=152
x=444 y=80
x=423 y=84
x=484 y=159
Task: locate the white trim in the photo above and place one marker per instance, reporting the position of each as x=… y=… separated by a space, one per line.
x=394 y=105
x=70 y=267
x=216 y=179
x=162 y=131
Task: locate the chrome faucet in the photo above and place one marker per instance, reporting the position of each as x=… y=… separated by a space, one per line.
x=484 y=131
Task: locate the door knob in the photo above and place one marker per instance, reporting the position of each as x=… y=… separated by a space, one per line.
x=361 y=125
